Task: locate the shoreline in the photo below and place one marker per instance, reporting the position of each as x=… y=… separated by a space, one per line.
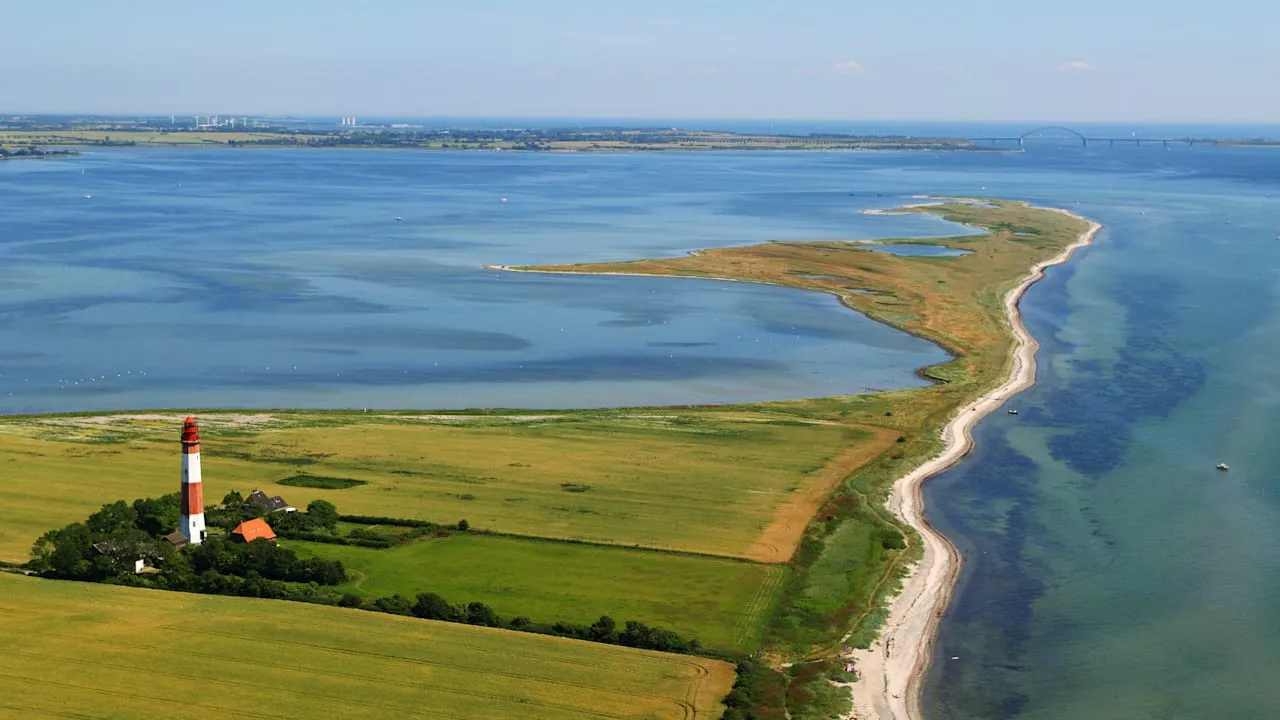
x=894 y=667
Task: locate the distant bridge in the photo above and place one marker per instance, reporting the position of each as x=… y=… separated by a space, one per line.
x=1021 y=140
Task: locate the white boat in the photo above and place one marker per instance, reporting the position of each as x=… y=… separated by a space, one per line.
x=399 y=219
x=1224 y=467
x=88 y=197
x=1012 y=412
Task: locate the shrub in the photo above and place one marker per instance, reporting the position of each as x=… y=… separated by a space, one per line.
x=892 y=540
x=396 y=605
x=431 y=606
x=321 y=481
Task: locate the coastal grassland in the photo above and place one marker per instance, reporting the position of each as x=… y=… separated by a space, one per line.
x=850 y=562
x=720 y=602
x=718 y=481
x=97 y=651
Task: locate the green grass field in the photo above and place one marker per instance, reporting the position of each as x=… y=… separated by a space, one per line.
x=75 y=650
x=721 y=602
x=730 y=484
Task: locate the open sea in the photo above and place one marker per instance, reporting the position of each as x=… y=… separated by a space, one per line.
x=1111 y=571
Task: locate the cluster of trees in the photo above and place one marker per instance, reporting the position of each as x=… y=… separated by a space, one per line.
x=107 y=546
x=110 y=541
x=262 y=559
x=431 y=606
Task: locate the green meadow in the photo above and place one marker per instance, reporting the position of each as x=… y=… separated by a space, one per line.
x=97 y=651
x=734 y=484
x=719 y=601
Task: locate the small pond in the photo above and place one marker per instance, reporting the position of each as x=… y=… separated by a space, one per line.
x=920 y=250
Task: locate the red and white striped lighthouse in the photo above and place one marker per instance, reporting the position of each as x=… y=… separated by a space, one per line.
x=192 y=490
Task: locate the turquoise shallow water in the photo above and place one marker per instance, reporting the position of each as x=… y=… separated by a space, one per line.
x=1112 y=572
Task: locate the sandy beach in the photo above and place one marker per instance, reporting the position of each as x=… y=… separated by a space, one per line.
x=894 y=667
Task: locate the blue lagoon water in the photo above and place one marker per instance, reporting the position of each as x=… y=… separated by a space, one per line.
x=216 y=278
x=1111 y=571
x=915 y=250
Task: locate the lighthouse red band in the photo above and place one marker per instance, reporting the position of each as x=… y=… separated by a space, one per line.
x=192 y=488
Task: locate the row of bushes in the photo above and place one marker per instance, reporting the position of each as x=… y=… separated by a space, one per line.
x=214 y=583
x=378 y=543
x=380 y=520
x=430 y=606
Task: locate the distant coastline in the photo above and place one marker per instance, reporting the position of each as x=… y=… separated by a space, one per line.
x=592 y=140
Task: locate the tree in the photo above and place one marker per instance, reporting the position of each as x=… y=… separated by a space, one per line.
x=157 y=516
x=112 y=518
x=604 y=630
x=64 y=553
x=396 y=604
x=233 y=500
x=463 y=525
x=431 y=606
x=324 y=513
x=349 y=600
x=480 y=614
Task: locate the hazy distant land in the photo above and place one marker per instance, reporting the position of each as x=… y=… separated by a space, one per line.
x=38 y=133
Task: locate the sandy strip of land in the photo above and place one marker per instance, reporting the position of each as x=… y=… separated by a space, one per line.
x=893 y=669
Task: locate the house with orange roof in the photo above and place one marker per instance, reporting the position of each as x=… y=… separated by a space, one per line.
x=255 y=529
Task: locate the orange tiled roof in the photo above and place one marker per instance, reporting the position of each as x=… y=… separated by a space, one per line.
x=254 y=529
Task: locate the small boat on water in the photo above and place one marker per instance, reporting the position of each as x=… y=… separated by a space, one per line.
x=88 y=197
x=399 y=219
x=1224 y=467
x=1012 y=412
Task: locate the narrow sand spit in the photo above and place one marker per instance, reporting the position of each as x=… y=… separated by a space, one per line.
x=893 y=669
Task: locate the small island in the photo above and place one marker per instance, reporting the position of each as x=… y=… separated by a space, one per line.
x=7 y=153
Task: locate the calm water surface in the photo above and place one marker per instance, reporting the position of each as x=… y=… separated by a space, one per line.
x=1112 y=572
x=223 y=278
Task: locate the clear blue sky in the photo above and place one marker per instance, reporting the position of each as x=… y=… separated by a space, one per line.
x=1144 y=60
